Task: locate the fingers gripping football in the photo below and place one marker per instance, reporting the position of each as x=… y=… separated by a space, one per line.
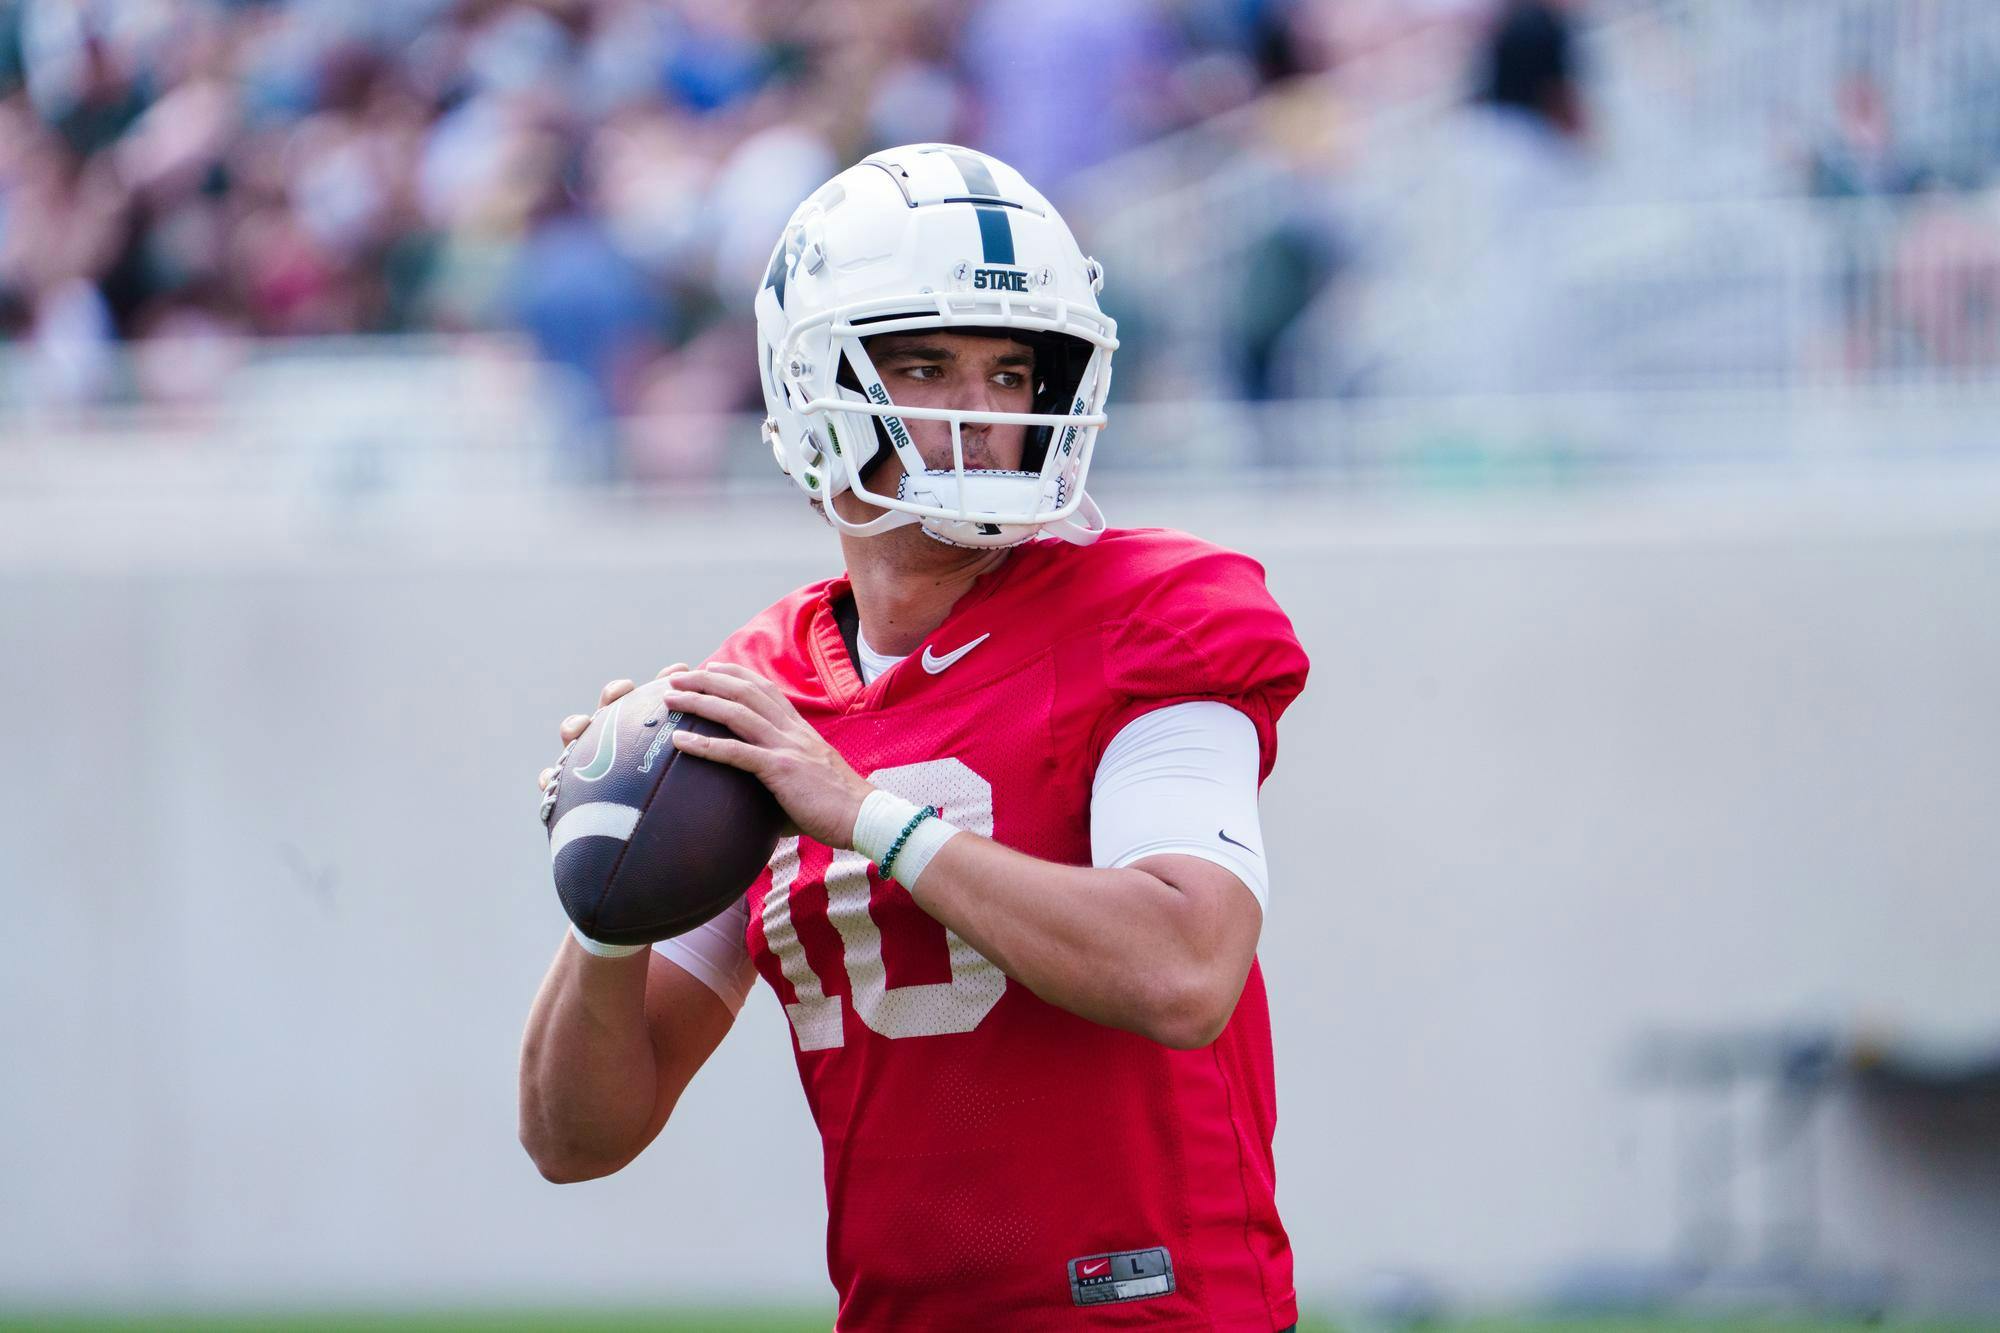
x=576 y=724
x=735 y=703
x=817 y=789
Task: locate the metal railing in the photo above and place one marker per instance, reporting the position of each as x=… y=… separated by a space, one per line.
x=270 y=462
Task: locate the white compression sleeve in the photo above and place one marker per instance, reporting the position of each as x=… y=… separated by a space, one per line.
x=1182 y=779
x=717 y=955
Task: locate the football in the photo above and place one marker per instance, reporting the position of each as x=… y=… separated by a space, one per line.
x=647 y=842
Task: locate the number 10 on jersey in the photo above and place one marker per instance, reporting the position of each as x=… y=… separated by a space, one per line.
x=925 y=1010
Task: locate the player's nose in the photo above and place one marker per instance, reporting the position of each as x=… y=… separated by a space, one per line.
x=981 y=395
x=977 y=399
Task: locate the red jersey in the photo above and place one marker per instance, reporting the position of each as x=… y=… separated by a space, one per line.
x=993 y=1162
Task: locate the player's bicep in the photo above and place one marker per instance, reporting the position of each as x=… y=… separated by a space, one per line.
x=686 y=1022
x=695 y=985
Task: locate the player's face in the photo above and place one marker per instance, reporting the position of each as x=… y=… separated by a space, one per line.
x=959 y=370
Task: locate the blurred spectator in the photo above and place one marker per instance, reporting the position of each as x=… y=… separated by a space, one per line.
x=1859 y=161
x=1861 y=156
x=1515 y=150
x=1296 y=261
x=1286 y=270
x=753 y=195
x=1945 y=281
x=591 y=316
x=1062 y=86
x=1529 y=66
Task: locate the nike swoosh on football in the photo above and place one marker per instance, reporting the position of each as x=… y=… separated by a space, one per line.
x=937 y=664
x=607 y=748
x=1244 y=845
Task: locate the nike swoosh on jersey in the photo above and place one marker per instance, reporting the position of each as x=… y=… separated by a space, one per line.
x=607 y=748
x=936 y=664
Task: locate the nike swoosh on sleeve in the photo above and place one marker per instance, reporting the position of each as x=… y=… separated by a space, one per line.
x=1244 y=845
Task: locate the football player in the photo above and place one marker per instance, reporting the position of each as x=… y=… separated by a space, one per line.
x=1016 y=932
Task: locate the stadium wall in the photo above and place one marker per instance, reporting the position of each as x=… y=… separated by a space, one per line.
x=1567 y=774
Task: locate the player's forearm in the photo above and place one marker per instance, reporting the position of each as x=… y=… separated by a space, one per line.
x=588 y=1082
x=1119 y=947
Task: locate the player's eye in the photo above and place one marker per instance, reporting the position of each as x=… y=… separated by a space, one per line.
x=1010 y=379
x=923 y=372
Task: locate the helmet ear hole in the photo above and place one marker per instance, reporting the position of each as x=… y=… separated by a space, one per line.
x=1060 y=363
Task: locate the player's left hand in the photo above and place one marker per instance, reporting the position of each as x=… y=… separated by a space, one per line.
x=820 y=793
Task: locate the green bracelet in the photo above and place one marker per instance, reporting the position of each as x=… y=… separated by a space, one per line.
x=889 y=857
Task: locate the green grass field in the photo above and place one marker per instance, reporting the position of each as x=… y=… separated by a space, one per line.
x=737 y=1321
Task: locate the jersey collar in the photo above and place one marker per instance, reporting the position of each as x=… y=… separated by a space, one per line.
x=835 y=667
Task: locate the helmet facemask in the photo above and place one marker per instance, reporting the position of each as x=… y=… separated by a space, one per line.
x=859 y=424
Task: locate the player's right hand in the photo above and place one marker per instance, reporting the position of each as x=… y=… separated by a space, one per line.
x=573 y=725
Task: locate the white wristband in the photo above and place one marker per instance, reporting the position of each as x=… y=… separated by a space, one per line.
x=924 y=842
x=882 y=819
x=601 y=949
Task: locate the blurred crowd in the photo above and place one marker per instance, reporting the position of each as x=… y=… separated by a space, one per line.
x=605 y=176
x=601 y=181
x=1635 y=192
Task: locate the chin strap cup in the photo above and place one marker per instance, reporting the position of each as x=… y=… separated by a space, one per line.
x=1081 y=528
x=988 y=495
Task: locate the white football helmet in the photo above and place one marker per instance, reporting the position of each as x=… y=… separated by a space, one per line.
x=932 y=236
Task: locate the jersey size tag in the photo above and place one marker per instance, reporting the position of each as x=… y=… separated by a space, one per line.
x=1128 y=1275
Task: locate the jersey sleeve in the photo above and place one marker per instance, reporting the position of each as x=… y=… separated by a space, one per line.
x=1198 y=623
